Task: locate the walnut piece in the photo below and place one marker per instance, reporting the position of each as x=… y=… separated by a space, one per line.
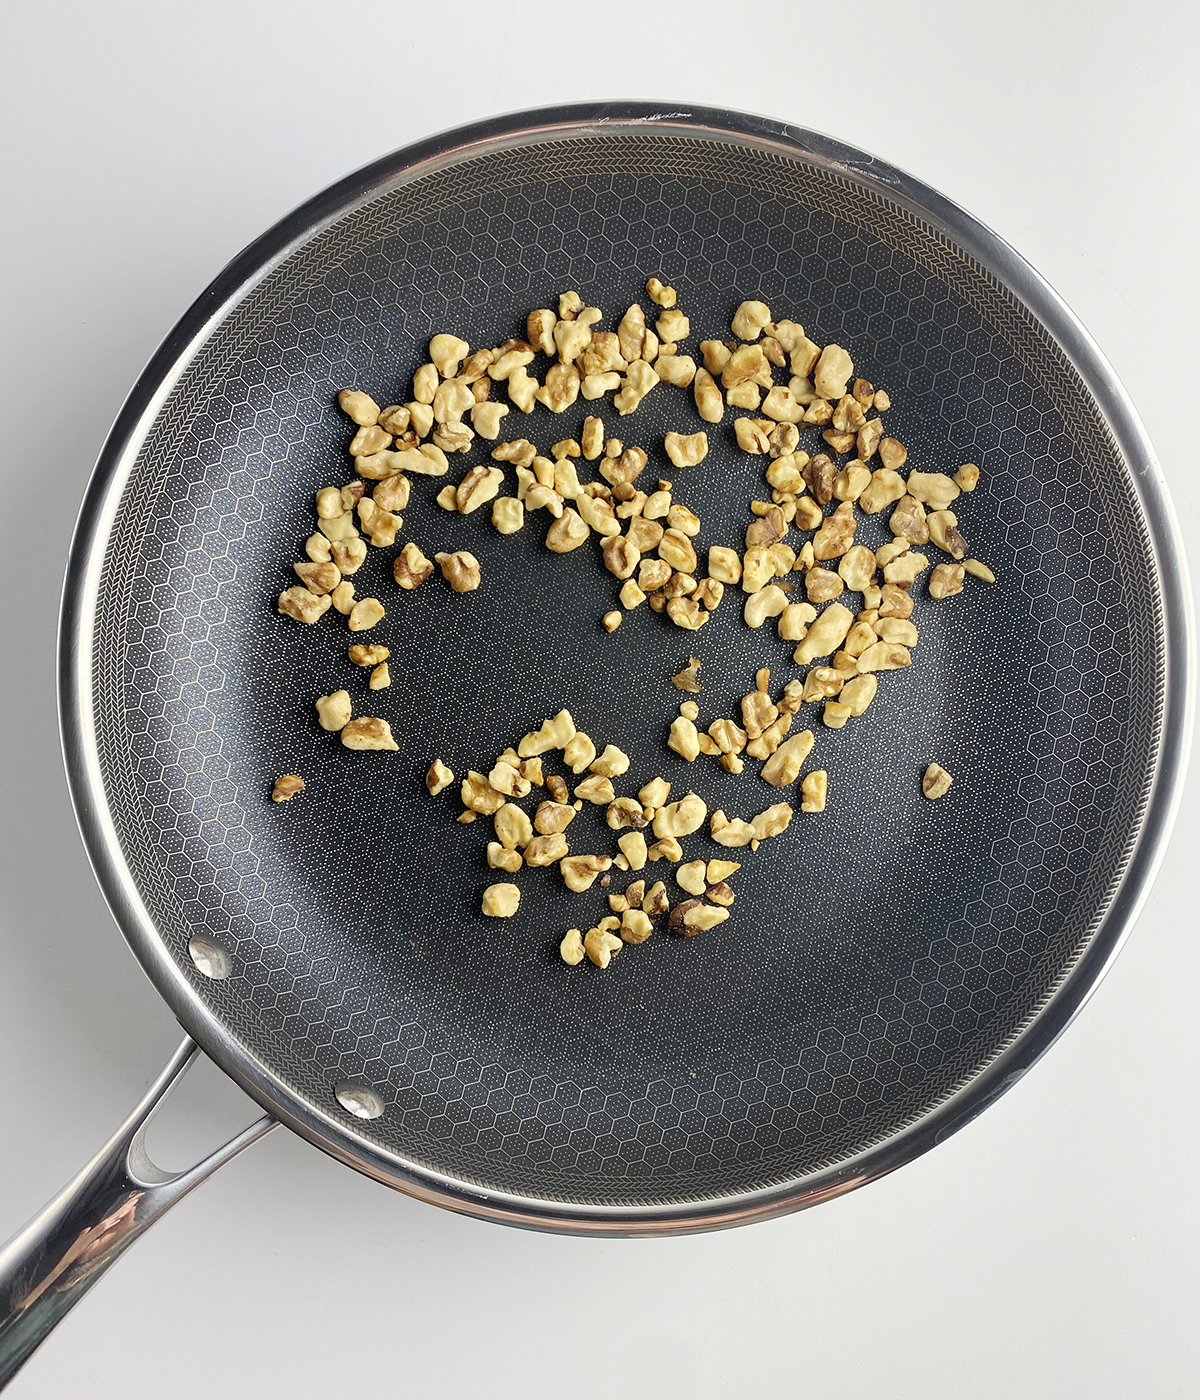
x=287 y=787
x=936 y=782
x=460 y=570
x=368 y=732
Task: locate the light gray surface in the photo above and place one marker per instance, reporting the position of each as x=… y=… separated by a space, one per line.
x=1049 y=1249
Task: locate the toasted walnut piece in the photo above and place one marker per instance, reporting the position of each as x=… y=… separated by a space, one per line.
x=767 y=602
x=501 y=858
x=724 y=564
x=936 y=782
x=908 y=520
x=819 y=475
x=684 y=739
x=896 y=629
x=685 y=612
x=635 y=925
x=380 y=678
x=639 y=379
x=546 y=849
x=836 y=535
x=508 y=514
x=578 y=751
x=857 y=567
x=447 y=498
x=673 y=325
x=814 y=788
x=885 y=487
x=410 y=567
x=966 y=478
x=591 y=438
x=287 y=787
x=486 y=416
x=395 y=419
x=832 y=371
x=654 y=794
x=318 y=549
x=773 y=821
x=794 y=621
x=598 y=514
x=343 y=598
x=848 y=415
x=690 y=877
x=709 y=403
x=680 y=818
x=381 y=525
x=665 y=849
x=319 y=578
x=851 y=481
x=947 y=579
x=513 y=828
x=835 y=714
x=568 y=532
x=461 y=570
x=519 y=452
x=360 y=407
x=934 y=489
x=885 y=656
x=767 y=528
x=580 y=872
x=824 y=635
x=631 y=332
x=653 y=901
x=633 y=848
x=611 y=763
x=644 y=534
x=553 y=817
x=571 y=948
x=392 y=494
x=601 y=946
x=822 y=584
x=977 y=570
x=677 y=550
x=501 y=901
x=749 y=320
x=439 y=777
x=758 y=568
x=679 y=370
x=840 y=442
x=479 y=795
x=785 y=763
x=747 y=364
x=368 y=732
x=365 y=614
x=905 y=569
x=808 y=514
x=730 y=833
x=368 y=655
x=824 y=682
x=751 y=435
x=660 y=295
x=505 y=777
x=858 y=693
x=861 y=636
x=686 y=450
x=625 y=812
x=893 y=601
x=597 y=790
x=369 y=440
x=621 y=556
x=758 y=711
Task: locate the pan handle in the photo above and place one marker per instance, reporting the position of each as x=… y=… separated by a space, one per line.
x=49 y=1265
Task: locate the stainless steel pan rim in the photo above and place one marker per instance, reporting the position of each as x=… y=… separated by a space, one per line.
x=91 y=541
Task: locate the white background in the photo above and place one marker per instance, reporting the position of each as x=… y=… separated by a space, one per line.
x=1048 y=1250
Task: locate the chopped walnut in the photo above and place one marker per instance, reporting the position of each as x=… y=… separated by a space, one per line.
x=814 y=788
x=731 y=833
x=783 y=767
x=936 y=782
x=886 y=486
x=360 y=407
x=709 y=403
x=601 y=946
x=502 y=858
x=460 y=570
x=546 y=849
x=287 y=787
x=580 y=872
x=303 y=605
x=410 y=567
x=934 y=489
x=684 y=739
x=825 y=634
x=368 y=732
x=978 y=570
x=946 y=580
x=885 y=656
x=770 y=601
x=501 y=901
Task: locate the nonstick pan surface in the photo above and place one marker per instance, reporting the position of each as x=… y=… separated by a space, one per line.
x=891 y=965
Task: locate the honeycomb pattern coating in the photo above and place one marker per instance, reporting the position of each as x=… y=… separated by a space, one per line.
x=880 y=955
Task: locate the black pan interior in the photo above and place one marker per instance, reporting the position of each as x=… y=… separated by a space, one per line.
x=879 y=954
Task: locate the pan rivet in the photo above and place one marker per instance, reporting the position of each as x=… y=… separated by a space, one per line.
x=212 y=960
x=359 y=1100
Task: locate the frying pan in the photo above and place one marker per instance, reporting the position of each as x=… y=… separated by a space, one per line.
x=891 y=966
